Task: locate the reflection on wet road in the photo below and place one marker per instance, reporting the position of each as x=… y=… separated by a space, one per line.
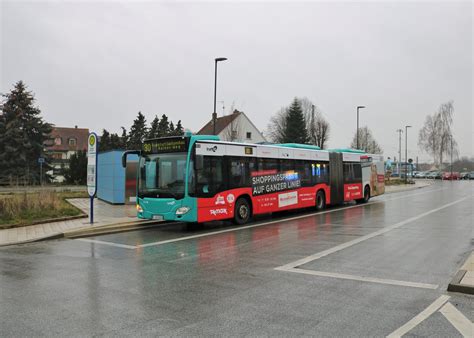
x=222 y=279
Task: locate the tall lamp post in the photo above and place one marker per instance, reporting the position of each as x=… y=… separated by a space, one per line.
x=357 y=142
x=399 y=131
x=406 y=153
x=214 y=114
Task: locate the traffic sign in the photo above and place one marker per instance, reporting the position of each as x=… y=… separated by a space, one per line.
x=92 y=165
x=40 y=160
x=92 y=143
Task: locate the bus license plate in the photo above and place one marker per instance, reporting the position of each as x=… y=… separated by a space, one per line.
x=157 y=217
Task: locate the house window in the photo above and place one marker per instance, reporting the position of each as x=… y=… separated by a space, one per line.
x=72 y=141
x=249 y=135
x=58 y=141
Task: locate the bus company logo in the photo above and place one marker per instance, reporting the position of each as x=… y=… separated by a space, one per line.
x=230 y=198
x=220 y=200
x=213 y=149
x=215 y=212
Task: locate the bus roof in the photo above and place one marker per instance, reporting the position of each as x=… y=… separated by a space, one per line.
x=347 y=150
x=297 y=145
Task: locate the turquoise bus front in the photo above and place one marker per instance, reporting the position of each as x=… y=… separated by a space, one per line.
x=165 y=177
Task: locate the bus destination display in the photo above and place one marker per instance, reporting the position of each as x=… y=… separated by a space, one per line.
x=165 y=146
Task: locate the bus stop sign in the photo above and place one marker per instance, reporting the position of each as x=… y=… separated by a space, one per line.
x=92 y=165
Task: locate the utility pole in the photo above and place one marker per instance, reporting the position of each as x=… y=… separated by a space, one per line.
x=399 y=131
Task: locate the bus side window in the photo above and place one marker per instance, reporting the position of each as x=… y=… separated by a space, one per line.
x=239 y=171
x=303 y=168
x=209 y=180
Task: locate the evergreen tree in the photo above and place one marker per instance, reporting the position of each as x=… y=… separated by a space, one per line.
x=123 y=139
x=163 y=126
x=171 y=131
x=105 y=141
x=116 y=142
x=22 y=136
x=77 y=171
x=178 y=131
x=138 y=132
x=153 y=132
x=295 y=125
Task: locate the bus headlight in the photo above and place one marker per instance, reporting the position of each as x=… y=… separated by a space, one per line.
x=182 y=210
x=139 y=208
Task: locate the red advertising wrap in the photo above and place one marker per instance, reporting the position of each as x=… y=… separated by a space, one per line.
x=221 y=206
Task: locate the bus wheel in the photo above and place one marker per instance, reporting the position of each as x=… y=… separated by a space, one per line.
x=242 y=211
x=366 y=195
x=320 y=200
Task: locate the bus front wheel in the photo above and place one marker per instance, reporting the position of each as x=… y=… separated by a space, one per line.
x=242 y=211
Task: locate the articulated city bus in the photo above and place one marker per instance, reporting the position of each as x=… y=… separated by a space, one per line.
x=197 y=178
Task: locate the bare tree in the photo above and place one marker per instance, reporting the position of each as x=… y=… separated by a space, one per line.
x=436 y=137
x=366 y=142
x=276 y=127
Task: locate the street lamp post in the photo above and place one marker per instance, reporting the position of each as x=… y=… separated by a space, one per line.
x=406 y=153
x=399 y=131
x=451 y=137
x=357 y=142
x=214 y=114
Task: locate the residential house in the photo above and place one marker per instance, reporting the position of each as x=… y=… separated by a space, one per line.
x=235 y=127
x=62 y=144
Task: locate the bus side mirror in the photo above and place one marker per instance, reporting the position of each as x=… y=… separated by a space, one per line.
x=124 y=156
x=199 y=162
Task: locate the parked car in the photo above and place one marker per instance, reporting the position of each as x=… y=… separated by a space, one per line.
x=467 y=175
x=422 y=174
x=434 y=175
x=450 y=176
x=416 y=174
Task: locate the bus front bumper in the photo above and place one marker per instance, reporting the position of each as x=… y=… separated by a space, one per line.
x=167 y=209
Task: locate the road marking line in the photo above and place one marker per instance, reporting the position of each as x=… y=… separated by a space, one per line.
x=361 y=278
x=409 y=195
x=411 y=324
x=124 y=246
x=272 y=222
x=250 y=226
x=457 y=319
x=346 y=245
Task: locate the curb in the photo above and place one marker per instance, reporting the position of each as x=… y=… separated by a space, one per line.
x=110 y=229
x=92 y=231
x=456 y=286
x=407 y=189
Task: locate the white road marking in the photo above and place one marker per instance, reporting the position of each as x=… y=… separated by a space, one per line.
x=457 y=319
x=410 y=325
x=273 y=222
x=253 y=225
x=361 y=278
x=124 y=246
x=346 y=245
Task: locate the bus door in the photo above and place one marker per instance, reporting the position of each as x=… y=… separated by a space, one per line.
x=336 y=180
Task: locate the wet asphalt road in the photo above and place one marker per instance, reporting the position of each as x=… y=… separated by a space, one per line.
x=219 y=279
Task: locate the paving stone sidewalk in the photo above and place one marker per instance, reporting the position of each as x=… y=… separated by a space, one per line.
x=104 y=214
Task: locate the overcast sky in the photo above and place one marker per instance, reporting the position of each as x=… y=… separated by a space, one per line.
x=96 y=65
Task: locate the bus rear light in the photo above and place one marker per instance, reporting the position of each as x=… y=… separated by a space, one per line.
x=182 y=210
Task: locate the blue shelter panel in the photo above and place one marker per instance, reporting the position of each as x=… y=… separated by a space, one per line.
x=111 y=176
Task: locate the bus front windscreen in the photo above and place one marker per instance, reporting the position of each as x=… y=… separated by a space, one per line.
x=162 y=175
